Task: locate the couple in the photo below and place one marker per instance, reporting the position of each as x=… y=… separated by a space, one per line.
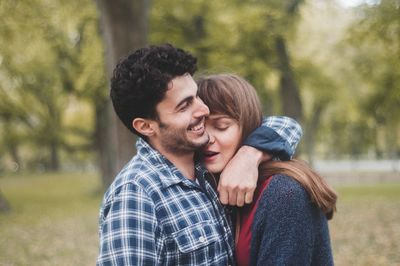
x=163 y=209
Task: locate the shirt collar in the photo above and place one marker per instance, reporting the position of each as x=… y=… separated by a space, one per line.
x=170 y=175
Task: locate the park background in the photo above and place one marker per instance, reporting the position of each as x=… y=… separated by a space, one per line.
x=332 y=65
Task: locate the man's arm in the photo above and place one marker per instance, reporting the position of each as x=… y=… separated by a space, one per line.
x=276 y=138
x=128 y=230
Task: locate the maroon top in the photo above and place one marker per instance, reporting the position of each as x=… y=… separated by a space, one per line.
x=246 y=220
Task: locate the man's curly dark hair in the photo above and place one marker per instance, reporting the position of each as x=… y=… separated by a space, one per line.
x=140 y=81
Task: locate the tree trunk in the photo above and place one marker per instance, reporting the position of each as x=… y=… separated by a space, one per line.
x=15 y=156
x=4 y=205
x=11 y=141
x=311 y=130
x=54 y=159
x=289 y=90
x=104 y=147
x=124 y=28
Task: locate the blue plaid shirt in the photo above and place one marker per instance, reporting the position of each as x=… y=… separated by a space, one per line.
x=153 y=215
x=278 y=135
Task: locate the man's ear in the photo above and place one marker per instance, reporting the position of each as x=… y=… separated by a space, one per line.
x=144 y=126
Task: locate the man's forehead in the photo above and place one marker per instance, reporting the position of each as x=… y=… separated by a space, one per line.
x=178 y=79
x=179 y=88
x=182 y=84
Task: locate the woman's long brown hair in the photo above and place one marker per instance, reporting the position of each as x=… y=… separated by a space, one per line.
x=320 y=192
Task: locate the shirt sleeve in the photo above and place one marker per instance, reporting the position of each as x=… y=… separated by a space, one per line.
x=278 y=135
x=128 y=229
x=283 y=225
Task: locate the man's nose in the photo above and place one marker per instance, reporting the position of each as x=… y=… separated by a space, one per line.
x=201 y=108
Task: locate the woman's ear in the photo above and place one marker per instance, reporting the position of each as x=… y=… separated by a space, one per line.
x=144 y=126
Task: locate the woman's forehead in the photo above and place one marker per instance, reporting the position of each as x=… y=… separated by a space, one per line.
x=219 y=115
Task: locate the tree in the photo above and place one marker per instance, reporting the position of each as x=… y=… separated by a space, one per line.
x=318 y=94
x=248 y=37
x=124 y=27
x=266 y=40
x=375 y=38
x=42 y=83
x=4 y=205
x=28 y=91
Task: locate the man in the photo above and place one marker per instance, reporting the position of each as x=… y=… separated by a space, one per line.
x=160 y=210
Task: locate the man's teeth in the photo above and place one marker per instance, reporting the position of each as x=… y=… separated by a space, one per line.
x=198 y=127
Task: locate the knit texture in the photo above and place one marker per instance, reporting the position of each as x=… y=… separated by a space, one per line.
x=288 y=229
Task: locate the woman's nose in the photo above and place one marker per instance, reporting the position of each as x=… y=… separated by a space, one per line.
x=211 y=139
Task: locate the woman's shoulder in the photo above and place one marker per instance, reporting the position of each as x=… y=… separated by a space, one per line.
x=285 y=199
x=283 y=188
x=285 y=183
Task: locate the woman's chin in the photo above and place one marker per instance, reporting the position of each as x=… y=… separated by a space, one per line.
x=214 y=169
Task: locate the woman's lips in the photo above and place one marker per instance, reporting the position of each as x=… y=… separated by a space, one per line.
x=209 y=156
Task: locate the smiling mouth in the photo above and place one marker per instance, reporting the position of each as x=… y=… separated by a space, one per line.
x=198 y=127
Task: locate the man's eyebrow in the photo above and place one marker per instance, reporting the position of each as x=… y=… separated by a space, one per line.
x=185 y=100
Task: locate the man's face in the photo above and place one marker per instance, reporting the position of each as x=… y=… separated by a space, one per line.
x=181 y=117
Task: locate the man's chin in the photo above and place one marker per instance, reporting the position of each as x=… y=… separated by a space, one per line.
x=203 y=142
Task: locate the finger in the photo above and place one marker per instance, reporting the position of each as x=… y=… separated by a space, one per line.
x=249 y=196
x=240 y=199
x=233 y=197
x=223 y=196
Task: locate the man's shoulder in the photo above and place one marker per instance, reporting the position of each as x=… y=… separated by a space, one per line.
x=137 y=173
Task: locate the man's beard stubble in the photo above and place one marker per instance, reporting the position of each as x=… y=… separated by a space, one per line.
x=176 y=141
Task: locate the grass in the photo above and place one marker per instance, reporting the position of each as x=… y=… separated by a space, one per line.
x=366 y=228
x=54 y=221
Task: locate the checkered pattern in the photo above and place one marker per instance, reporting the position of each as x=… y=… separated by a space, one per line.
x=286 y=127
x=153 y=215
x=278 y=136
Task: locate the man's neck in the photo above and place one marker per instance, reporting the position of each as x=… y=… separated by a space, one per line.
x=183 y=161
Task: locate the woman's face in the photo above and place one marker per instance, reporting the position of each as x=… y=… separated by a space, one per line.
x=225 y=135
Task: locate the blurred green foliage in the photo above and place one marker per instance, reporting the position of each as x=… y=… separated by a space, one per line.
x=345 y=63
x=51 y=73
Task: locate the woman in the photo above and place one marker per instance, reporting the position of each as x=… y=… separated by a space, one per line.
x=287 y=222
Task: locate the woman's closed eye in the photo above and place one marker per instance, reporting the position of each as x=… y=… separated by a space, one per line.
x=223 y=124
x=222 y=127
x=220 y=123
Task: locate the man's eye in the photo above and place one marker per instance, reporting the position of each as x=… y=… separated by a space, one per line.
x=184 y=106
